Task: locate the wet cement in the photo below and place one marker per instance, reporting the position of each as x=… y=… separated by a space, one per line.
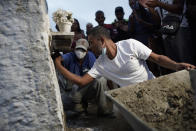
x=164 y=104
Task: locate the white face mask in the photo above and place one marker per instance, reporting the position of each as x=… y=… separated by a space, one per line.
x=103 y=51
x=80 y=54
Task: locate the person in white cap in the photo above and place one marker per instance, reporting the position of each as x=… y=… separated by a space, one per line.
x=79 y=62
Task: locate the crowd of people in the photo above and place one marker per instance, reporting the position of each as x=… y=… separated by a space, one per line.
x=127 y=51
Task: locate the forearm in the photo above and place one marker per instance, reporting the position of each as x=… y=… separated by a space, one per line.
x=67 y=74
x=164 y=61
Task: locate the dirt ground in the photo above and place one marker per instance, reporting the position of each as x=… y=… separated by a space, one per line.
x=91 y=122
x=164 y=104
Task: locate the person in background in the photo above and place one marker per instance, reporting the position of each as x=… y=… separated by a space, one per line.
x=144 y=23
x=177 y=47
x=79 y=62
x=89 y=26
x=78 y=32
x=122 y=62
x=100 y=18
x=120 y=25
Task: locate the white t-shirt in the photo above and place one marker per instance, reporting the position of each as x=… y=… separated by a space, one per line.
x=128 y=66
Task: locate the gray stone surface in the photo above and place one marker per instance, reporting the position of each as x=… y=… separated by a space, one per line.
x=29 y=94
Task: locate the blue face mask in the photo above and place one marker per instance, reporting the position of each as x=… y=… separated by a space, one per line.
x=103 y=51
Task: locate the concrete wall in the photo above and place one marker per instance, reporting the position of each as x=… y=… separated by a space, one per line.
x=29 y=93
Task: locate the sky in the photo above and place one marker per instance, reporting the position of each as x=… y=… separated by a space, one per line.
x=84 y=10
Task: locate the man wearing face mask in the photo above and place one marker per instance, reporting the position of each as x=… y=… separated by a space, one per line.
x=79 y=62
x=122 y=62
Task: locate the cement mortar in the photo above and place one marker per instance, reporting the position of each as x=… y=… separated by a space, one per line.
x=165 y=103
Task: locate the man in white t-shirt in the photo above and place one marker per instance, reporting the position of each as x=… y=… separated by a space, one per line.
x=123 y=62
x=127 y=67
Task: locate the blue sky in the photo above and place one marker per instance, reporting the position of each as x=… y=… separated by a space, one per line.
x=84 y=10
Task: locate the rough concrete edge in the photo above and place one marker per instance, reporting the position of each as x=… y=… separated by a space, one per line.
x=60 y=113
x=181 y=73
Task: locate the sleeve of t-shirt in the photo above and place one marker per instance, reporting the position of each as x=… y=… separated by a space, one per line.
x=140 y=50
x=93 y=72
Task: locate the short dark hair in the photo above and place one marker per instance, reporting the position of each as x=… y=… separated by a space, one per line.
x=99 y=31
x=99 y=12
x=119 y=9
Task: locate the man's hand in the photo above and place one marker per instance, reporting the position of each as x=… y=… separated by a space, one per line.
x=181 y=66
x=81 y=81
x=152 y=3
x=166 y=62
x=54 y=55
